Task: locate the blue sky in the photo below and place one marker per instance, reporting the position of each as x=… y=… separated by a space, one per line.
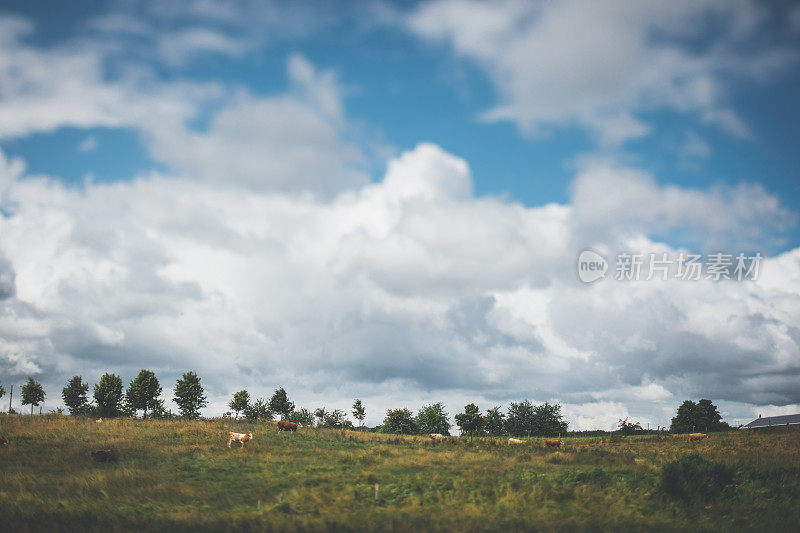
x=446 y=159
x=403 y=91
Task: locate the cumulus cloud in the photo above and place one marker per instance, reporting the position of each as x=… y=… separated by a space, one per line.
x=292 y=141
x=405 y=290
x=599 y=66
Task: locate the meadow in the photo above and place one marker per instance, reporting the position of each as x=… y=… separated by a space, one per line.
x=180 y=475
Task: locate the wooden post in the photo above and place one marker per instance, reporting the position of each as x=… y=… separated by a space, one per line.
x=377 y=491
x=10 y=397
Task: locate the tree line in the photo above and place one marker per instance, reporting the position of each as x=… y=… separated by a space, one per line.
x=109 y=399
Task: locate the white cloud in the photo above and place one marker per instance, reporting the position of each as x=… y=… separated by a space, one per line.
x=287 y=142
x=88 y=144
x=404 y=291
x=612 y=199
x=596 y=65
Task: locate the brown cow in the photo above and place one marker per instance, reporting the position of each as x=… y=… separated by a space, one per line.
x=553 y=443
x=697 y=436
x=288 y=426
x=3 y=440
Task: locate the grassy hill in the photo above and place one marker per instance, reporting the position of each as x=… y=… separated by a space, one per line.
x=180 y=476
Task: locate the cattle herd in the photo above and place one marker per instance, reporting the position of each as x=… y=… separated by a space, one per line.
x=242 y=438
x=435 y=437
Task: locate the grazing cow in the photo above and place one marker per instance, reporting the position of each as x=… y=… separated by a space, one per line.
x=515 y=442
x=288 y=426
x=437 y=437
x=3 y=440
x=239 y=437
x=697 y=436
x=99 y=420
x=553 y=443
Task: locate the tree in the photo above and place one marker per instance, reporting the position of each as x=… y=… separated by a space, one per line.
x=108 y=395
x=320 y=413
x=520 y=419
x=32 y=393
x=189 y=395
x=685 y=418
x=702 y=415
x=335 y=419
x=548 y=420
x=470 y=421
x=708 y=417
x=279 y=403
x=433 y=419
x=629 y=428
x=258 y=410
x=526 y=419
x=494 y=422
x=75 y=396
x=2 y=390
x=240 y=402
x=399 y=421
x=302 y=416
x=359 y=413
x=143 y=392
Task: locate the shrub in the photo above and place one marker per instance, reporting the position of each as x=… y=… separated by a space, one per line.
x=691 y=477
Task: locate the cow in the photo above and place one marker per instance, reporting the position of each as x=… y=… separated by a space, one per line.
x=99 y=420
x=437 y=437
x=697 y=436
x=239 y=437
x=553 y=443
x=515 y=442
x=3 y=441
x=288 y=426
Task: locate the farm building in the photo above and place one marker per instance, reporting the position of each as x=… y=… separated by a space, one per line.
x=768 y=421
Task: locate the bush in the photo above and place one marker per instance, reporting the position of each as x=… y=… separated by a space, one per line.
x=691 y=477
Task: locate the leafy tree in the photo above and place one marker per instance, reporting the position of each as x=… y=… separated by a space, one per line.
x=320 y=413
x=75 y=396
x=189 y=395
x=240 y=402
x=258 y=410
x=520 y=419
x=433 y=419
x=108 y=395
x=708 y=417
x=279 y=403
x=359 y=413
x=494 y=422
x=526 y=419
x=334 y=419
x=158 y=411
x=700 y=416
x=399 y=421
x=302 y=416
x=2 y=390
x=143 y=392
x=548 y=420
x=470 y=420
x=32 y=393
x=629 y=428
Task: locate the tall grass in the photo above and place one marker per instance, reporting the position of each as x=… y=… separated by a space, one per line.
x=180 y=475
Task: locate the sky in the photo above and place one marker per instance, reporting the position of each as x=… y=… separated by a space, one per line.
x=387 y=201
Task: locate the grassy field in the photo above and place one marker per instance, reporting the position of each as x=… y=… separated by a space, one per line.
x=180 y=475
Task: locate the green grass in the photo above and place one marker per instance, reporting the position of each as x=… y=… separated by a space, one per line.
x=181 y=476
